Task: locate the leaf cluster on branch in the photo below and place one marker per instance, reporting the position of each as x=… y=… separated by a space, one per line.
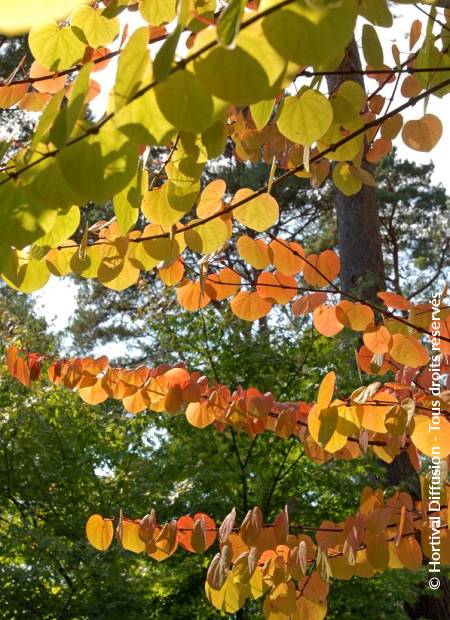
x=292 y=570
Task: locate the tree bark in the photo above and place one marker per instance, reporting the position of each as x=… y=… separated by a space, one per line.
x=358 y=222
x=363 y=274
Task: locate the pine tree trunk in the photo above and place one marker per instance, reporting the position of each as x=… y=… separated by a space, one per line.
x=363 y=274
x=358 y=222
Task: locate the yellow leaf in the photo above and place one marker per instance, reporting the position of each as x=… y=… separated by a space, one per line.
x=130 y=536
x=259 y=213
x=209 y=237
x=18 y=16
x=99 y=532
x=408 y=351
x=230 y=597
x=305 y=117
x=309 y=610
x=326 y=390
x=254 y=251
x=210 y=200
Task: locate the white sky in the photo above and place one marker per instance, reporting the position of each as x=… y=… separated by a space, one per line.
x=56 y=302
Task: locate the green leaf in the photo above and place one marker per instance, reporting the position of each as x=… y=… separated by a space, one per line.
x=251 y=71
x=55 y=48
x=261 y=112
x=64 y=227
x=184 y=9
x=373 y=52
x=93 y=28
x=67 y=117
x=5 y=145
x=166 y=205
x=127 y=202
x=24 y=273
x=99 y=166
x=165 y=55
x=214 y=139
x=311 y=36
x=229 y=22
x=115 y=7
x=185 y=102
x=430 y=56
x=133 y=67
x=306 y=117
x=376 y=12
x=143 y=122
x=43 y=183
x=47 y=118
x=22 y=220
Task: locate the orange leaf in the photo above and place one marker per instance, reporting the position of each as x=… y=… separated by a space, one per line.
x=129 y=536
x=97 y=54
x=94 y=394
x=366 y=361
x=356 y=316
x=325 y=321
x=411 y=86
x=199 y=415
x=308 y=303
x=378 y=150
x=136 y=402
x=191 y=297
x=391 y=127
x=172 y=274
x=173 y=400
x=177 y=376
x=377 y=338
x=322 y=268
x=431 y=439
x=52 y=85
x=99 y=532
x=11 y=357
x=185 y=531
x=10 y=95
x=276 y=287
x=423 y=134
x=249 y=306
x=210 y=200
x=393 y=300
x=221 y=285
x=287 y=256
x=414 y=33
